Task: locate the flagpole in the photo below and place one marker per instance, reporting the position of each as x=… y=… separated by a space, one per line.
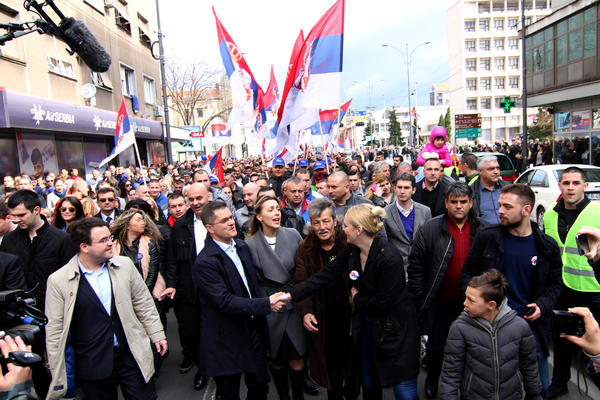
x=322 y=138
x=137 y=153
x=296 y=160
x=262 y=156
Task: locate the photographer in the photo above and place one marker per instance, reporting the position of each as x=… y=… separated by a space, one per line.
x=590 y=341
x=593 y=240
x=16 y=384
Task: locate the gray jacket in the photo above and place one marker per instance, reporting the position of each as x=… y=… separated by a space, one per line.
x=495 y=361
x=395 y=229
x=276 y=271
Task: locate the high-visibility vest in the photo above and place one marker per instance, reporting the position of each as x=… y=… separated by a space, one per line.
x=473 y=180
x=576 y=272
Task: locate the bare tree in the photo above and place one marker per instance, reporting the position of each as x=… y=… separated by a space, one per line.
x=189 y=84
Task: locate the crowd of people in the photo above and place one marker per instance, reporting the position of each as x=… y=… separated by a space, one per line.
x=332 y=271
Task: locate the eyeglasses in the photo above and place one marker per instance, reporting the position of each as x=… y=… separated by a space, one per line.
x=105 y=200
x=128 y=184
x=106 y=240
x=67 y=209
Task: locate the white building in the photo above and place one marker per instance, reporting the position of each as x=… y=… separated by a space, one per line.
x=439 y=95
x=484 y=61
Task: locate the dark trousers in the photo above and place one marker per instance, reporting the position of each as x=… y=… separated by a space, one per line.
x=188 y=325
x=445 y=313
x=563 y=349
x=228 y=386
x=125 y=373
x=337 y=357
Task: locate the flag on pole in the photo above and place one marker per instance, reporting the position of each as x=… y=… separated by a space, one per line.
x=341 y=143
x=247 y=94
x=220 y=130
x=349 y=141
x=216 y=165
x=124 y=136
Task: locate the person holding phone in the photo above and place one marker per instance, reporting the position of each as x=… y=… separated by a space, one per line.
x=563 y=222
x=590 y=341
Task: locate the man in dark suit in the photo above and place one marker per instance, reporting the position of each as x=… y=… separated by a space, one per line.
x=431 y=191
x=233 y=339
x=11 y=273
x=107 y=201
x=405 y=216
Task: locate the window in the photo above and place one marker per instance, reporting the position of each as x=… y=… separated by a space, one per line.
x=101 y=80
x=513 y=43
x=470 y=26
x=122 y=22
x=484 y=64
x=484 y=44
x=200 y=112
x=60 y=67
x=538 y=59
x=499 y=83
x=549 y=54
x=513 y=82
x=484 y=25
x=499 y=25
x=471 y=84
x=512 y=6
x=513 y=62
x=149 y=90
x=497 y=101
x=589 y=40
x=540 y=179
x=499 y=63
x=484 y=7
x=144 y=38
x=469 y=45
x=470 y=65
x=498 y=6
x=499 y=44
x=575 y=44
x=471 y=104
x=561 y=50
x=485 y=83
x=513 y=24
x=127 y=80
x=485 y=103
x=540 y=4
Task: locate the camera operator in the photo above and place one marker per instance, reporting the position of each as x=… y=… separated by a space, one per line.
x=16 y=383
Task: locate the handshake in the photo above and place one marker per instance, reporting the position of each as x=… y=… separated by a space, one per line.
x=279 y=300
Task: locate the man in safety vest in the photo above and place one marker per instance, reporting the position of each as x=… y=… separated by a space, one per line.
x=562 y=222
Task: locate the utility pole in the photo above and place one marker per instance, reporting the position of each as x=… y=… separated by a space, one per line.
x=524 y=146
x=164 y=86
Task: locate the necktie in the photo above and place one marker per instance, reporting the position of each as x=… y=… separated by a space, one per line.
x=108 y=219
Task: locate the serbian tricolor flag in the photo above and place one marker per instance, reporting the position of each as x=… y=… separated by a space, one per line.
x=124 y=136
x=349 y=141
x=315 y=80
x=216 y=165
x=220 y=130
x=341 y=144
x=245 y=91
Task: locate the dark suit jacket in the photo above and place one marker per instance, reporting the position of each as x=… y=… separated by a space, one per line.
x=229 y=315
x=118 y=212
x=181 y=254
x=11 y=273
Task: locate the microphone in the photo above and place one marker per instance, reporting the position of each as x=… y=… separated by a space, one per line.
x=83 y=42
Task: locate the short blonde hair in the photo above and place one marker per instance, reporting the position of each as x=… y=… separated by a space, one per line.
x=368 y=217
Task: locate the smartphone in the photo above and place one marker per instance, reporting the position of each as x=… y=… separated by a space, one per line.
x=582 y=244
x=568 y=323
x=530 y=311
x=375 y=187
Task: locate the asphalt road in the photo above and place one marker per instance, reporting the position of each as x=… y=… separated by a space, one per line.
x=173 y=385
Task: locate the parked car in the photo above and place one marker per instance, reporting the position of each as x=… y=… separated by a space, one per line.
x=507 y=169
x=543 y=180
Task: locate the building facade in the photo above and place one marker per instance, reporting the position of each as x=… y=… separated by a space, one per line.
x=439 y=95
x=52 y=101
x=563 y=61
x=484 y=61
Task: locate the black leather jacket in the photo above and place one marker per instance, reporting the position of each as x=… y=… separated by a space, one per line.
x=154 y=265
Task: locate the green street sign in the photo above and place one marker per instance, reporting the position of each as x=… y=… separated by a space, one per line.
x=468 y=133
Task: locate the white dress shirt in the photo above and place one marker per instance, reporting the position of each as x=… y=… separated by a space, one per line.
x=199 y=234
x=232 y=253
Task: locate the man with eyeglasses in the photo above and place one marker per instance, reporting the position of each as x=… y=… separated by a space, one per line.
x=100 y=300
x=107 y=201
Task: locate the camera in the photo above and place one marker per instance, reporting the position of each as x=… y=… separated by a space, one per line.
x=20 y=317
x=568 y=323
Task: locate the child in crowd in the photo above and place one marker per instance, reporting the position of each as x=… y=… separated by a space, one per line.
x=437 y=144
x=490 y=352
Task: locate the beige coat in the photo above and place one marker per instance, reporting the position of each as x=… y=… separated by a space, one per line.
x=134 y=304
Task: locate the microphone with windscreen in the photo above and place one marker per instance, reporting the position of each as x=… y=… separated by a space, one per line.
x=82 y=41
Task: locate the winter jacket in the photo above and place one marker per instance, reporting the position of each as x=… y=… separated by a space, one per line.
x=487 y=252
x=495 y=361
x=49 y=250
x=443 y=152
x=430 y=254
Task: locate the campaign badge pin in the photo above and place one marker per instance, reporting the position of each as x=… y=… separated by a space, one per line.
x=140 y=256
x=534 y=261
x=353 y=275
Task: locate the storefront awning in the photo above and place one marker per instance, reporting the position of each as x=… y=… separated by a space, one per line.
x=19 y=110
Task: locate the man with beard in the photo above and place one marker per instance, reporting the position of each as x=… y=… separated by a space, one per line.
x=326 y=314
x=242 y=215
x=528 y=258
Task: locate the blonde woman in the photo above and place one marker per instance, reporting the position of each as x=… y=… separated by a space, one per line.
x=381 y=192
x=384 y=322
x=136 y=236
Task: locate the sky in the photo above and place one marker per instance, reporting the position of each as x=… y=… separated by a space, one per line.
x=265 y=31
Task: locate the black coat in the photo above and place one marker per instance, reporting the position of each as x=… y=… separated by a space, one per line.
x=440 y=206
x=49 y=250
x=118 y=212
x=228 y=314
x=430 y=254
x=11 y=273
x=181 y=255
x=487 y=252
x=384 y=299
x=476 y=187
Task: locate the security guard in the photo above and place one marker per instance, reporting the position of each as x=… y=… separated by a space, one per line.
x=562 y=223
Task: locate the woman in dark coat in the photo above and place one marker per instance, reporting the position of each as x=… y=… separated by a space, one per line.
x=273 y=250
x=384 y=323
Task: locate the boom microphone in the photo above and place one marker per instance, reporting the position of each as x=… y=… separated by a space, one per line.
x=82 y=41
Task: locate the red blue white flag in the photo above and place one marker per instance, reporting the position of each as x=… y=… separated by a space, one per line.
x=220 y=130
x=124 y=135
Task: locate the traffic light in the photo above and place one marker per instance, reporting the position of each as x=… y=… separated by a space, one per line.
x=507 y=104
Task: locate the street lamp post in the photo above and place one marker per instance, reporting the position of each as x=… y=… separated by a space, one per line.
x=407 y=61
x=371 y=85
